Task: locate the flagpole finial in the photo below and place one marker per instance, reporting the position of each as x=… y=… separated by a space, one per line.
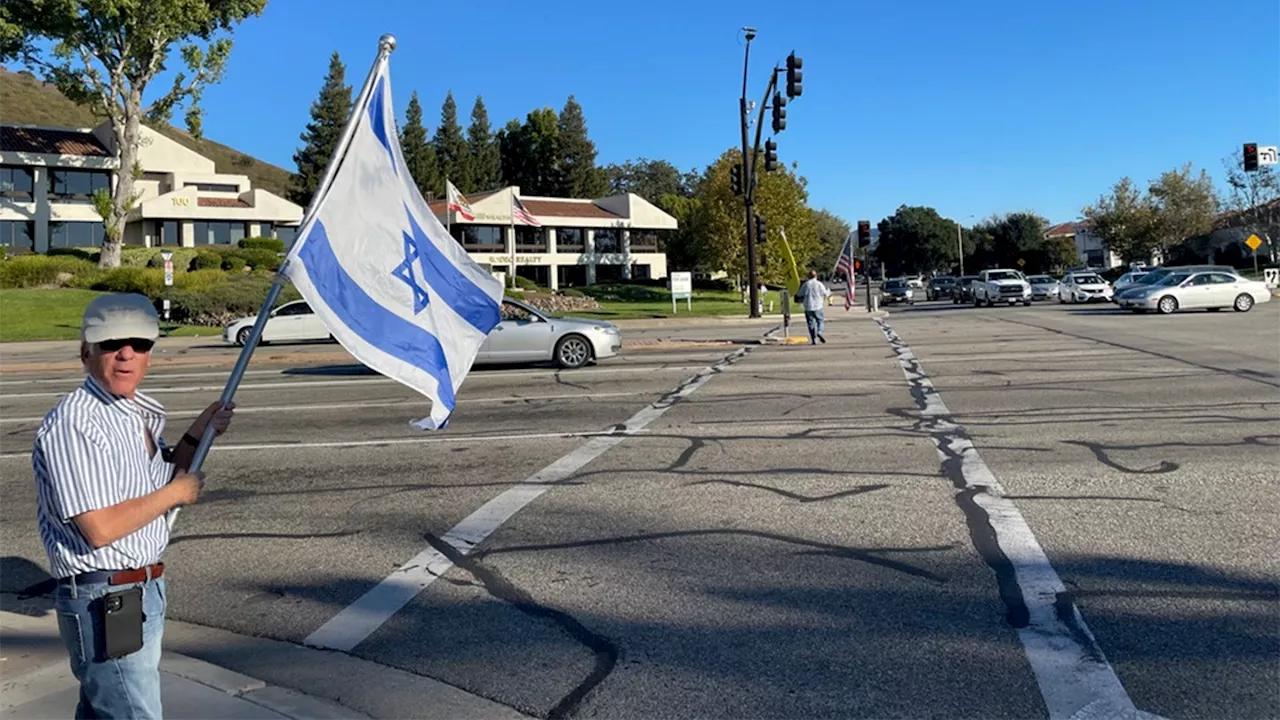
x=387 y=42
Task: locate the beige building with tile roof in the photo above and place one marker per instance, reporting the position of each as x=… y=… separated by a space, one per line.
x=48 y=177
x=581 y=242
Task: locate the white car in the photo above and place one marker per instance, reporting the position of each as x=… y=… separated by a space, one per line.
x=523 y=335
x=1083 y=287
x=1212 y=291
x=1005 y=286
x=1128 y=280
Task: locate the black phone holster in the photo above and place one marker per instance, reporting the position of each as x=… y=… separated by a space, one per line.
x=120 y=621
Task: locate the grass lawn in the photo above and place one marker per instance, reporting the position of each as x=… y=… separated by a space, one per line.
x=55 y=315
x=656 y=303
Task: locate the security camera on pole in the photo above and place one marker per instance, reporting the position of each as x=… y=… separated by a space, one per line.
x=743 y=178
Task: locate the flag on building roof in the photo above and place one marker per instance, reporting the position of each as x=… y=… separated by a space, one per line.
x=520 y=215
x=382 y=273
x=458 y=202
x=845 y=265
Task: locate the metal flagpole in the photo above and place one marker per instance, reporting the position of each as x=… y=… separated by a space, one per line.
x=448 y=211
x=386 y=44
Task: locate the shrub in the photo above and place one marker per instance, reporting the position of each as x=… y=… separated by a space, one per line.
x=275 y=245
x=573 y=293
x=199 y=280
x=144 y=281
x=182 y=259
x=134 y=256
x=206 y=260
x=233 y=264
x=89 y=254
x=29 y=271
x=257 y=258
x=237 y=297
x=525 y=283
x=625 y=293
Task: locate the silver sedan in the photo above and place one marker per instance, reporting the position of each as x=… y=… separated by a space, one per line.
x=528 y=335
x=1187 y=290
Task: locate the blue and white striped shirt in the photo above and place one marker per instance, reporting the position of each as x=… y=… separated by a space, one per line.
x=91 y=453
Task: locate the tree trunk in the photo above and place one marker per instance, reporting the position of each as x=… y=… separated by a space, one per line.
x=122 y=198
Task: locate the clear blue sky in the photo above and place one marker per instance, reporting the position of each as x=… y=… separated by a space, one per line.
x=973 y=108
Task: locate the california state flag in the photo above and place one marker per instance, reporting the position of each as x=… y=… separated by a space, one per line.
x=458 y=203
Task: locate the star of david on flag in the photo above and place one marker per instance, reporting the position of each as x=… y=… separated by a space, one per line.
x=383 y=274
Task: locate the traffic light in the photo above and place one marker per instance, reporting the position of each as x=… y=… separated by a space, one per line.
x=857 y=265
x=779 y=113
x=864 y=233
x=760 y=227
x=1250 y=157
x=794 y=76
x=735 y=179
x=770 y=156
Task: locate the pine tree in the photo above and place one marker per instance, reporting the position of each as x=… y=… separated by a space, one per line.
x=328 y=116
x=578 y=176
x=419 y=155
x=452 y=153
x=486 y=164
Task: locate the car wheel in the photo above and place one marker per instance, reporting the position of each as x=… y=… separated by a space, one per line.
x=1243 y=303
x=1026 y=303
x=1167 y=304
x=572 y=351
x=242 y=337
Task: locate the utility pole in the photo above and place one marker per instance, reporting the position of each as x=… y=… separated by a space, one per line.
x=960 y=246
x=748 y=185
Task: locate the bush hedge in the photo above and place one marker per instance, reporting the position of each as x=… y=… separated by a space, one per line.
x=182 y=259
x=237 y=297
x=141 y=280
x=206 y=260
x=573 y=293
x=257 y=258
x=275 y=245
x=33 y=271
x=525 y=283
x=233 y=264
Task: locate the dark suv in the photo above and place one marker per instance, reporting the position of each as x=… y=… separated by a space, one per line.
x=939 y=287
x=962 y=290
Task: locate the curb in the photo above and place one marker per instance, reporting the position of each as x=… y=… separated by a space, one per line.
x=289 y=703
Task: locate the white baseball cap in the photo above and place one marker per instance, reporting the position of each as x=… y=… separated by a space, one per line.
x=119 y=316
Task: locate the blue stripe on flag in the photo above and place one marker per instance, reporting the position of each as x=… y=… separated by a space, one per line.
x=377 y=119
x=368 y=319
x=455 y=289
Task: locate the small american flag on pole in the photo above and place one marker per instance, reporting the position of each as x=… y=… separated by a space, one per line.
x=845 y=265
x=520 y=215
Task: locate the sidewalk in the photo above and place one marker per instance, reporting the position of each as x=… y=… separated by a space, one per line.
x=37 y=681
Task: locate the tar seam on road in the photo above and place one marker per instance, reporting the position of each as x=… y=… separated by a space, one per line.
x=1075 y=679
x=360 y=619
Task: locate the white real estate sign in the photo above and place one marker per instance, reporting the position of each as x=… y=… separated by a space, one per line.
x=681 y=289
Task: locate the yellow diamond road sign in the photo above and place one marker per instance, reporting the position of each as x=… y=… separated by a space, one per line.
x=1254 y=242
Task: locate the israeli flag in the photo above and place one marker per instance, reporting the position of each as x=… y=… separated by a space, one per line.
x=384 y=275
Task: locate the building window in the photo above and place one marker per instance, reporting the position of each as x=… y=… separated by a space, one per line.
x=488 y=238
x=218 y=233
x=572 y=275
x=287 y=234
x=645 y=241
x=607 y=241
x=168 y=233
x=16 y=235
x=266 y=230
x=77 y=185
x=640 y=272
x=76 y=234
x=213 y=187
x=530 y=239
x=569 y=239
x=16 y=183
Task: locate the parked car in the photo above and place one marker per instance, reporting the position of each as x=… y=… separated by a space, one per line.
x=1128 y=280
x=1084 y=287
x=962 y=291
x=1000 y=285
x=1183 y=290
x=939 y=287
x=897 y=290
x=525 y=334
x=1155 y=276
x=1043 y=287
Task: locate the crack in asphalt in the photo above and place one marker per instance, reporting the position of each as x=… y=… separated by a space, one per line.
x=605 y=651
x=858 y=490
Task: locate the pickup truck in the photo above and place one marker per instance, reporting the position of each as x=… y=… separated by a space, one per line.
x=1001 y=286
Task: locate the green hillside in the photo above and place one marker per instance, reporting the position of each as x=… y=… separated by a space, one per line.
x=24 y=99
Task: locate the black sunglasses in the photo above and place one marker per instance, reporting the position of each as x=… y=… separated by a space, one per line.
x=138 y=344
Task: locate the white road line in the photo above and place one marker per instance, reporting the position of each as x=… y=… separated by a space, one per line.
x=181 y=414
x=1075 y=679
x=160 y=377
x=290 y=384
x=360 y=619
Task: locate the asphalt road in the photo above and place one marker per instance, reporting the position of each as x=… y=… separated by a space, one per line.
x=780 y=539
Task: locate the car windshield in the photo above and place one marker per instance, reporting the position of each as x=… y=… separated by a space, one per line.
x=1174 y=279
x=1088 y=280
x=1040 y=279
x=943 y=280
x=968 y=279
x=1154 y=277
x=1134 y=277
x=895 y=284
x=1003 y=275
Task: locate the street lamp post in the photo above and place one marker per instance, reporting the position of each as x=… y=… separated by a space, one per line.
x=960 y=243
x=748 y=180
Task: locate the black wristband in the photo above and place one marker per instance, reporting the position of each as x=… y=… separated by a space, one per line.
x=190 y=439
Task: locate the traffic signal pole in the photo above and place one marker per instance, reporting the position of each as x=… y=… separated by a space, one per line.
x=748 y=188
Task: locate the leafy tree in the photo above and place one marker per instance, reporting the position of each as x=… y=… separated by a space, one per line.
x=106 y=53
x=486 y=165
x=1185 y=206
x=452 y=153
x=328 y=116
x=578 y=175
x=682 y=245
x=781 y=198
x=650 y=179
x=1125 y=219
x=916 y=240
x=530 y=151
x=419 y=154
x=832 y=232
x=1252 y=201
x=1018 y=236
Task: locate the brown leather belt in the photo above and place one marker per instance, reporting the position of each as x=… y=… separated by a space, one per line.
x=121 y=577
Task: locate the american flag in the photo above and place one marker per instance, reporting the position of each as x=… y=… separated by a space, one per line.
x=520 y=215
x=458 y=203
x=845 y=265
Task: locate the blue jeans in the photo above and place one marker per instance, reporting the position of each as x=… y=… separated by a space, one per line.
x=125 y=687
x=813 y=318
